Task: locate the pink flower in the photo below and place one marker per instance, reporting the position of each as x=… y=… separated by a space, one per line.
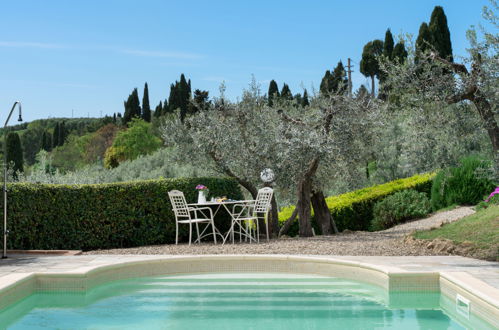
x=495 y=192
x=201 y=187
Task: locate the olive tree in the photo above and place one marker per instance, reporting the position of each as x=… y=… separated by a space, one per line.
x=304 y=147
x=436 y=83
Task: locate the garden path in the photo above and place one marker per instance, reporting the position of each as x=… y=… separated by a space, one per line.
x=388 y=242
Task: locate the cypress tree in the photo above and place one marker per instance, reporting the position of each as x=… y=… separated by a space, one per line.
x=132 y=107
x=369 y=65
x=273 y=92
x=166 y=109
x=114 y=117
x=362 y=92
x=338 y=78
x=286 y=92
x=298 y=99
x=46 y=141
x=423 y=41
x=388 y=45
x=137 y=111
x=440 y=34
x=399 y=53
x=62 y=134
x=146 y=109
x=172 y=99
x=199 y=101
x=184 y=94
x=14 y=153
x=55 y=136
x=304 y=100
x=158 y=112
x=326 y=82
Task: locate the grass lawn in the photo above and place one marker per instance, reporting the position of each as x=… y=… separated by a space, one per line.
x=481 y=230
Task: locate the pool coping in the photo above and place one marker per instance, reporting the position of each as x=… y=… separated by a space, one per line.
x=483 y=298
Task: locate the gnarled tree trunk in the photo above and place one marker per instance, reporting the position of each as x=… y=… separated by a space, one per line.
x=322 y=214
x=303 y=206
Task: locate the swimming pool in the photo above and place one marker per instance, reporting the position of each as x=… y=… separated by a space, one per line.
x=231 y=301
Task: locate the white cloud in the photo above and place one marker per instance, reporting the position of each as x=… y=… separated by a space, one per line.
x=135 y=52
x=168 y=54
x=16 y=44
x=215 y=79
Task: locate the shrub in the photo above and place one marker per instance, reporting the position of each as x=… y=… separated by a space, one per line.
x=354 y=210
x=463 y=185
x=103 y=216
x=493 y=199
x=399 y=207
x=131 y=143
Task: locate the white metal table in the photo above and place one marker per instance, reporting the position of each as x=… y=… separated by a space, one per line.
x=225 y=205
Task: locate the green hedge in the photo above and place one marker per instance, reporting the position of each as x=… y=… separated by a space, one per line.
x=354 y=210
x=102 y=216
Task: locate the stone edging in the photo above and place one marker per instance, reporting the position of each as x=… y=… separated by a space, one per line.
x=484 y=299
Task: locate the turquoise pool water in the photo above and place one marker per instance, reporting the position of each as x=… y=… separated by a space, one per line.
x=228 y=301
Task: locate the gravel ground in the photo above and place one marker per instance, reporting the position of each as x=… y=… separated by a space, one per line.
x=389 y=242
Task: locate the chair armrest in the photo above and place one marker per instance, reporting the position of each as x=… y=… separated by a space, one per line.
x=245 y=206
x=195 y=209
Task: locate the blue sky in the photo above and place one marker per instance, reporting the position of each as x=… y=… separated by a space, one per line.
x=85 y=57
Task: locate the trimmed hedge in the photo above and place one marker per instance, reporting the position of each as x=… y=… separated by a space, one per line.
x=399 y=207
x=354 y=210
x=103 y=216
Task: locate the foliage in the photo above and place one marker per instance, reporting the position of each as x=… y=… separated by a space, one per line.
x=480 y=231
x=369 y=65
x=236 y=138
x=423 y=41
x=161 y=164
x=420 y=139
x=99 y=142
x=131 y=143
x=102 y=216
x=146 y=108
x=466 y=184
x=158 y=111
x=443 y=85
x=401 y=206
x=388 y=44
x=354 y=210
x=494 y=200
x=440 y=34
x=200 y=101
x=180 y=94
x=15 y=153
x=335 y=81
x=70 y=156
x=74 y=125
x=304 y=100
x=31 y=140
x=31 y=134
x=132 y=107
x=46 y=141
x=399 y=53
x=273 y=92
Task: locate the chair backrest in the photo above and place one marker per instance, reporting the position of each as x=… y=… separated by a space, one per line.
x=179 y=204
x=263 y=200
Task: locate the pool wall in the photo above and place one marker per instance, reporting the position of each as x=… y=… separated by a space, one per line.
x=483 y=299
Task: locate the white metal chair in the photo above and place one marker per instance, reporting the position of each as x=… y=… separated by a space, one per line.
x=189 y=215
x=252 y=211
